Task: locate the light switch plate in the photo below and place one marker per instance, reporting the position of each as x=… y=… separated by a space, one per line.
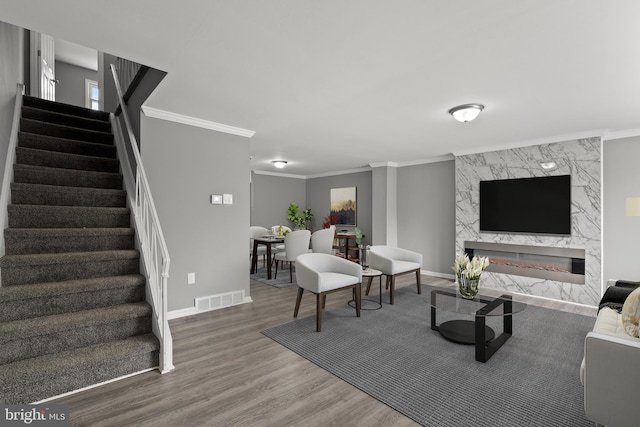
x=216 y=199
x=227 y=199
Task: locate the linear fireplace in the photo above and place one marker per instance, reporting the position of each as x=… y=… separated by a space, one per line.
x=542 y=262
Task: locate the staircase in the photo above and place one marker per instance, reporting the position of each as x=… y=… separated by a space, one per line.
x=72 y=302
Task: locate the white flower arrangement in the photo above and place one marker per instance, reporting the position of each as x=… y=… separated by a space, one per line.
x=469 y=269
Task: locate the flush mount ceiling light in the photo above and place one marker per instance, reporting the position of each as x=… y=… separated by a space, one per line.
x=279 y=163
x=548 y=165
x=466 y=112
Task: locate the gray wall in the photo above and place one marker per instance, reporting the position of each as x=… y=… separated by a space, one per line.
x=319 y=198
x=272 y=196
x=185 y=165
x=71 y=86
x=427 y=213
x=10 y=76
x=621 y=179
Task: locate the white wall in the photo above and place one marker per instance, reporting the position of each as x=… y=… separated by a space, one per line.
x=185 y=165
x=621 y=234
x=71 y=86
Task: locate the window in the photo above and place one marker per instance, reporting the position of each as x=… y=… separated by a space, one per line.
x=91 y=94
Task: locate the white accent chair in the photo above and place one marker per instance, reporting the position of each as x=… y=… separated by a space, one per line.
x=609 y=371
x=322 y=241
x=322 y=274
x=257 y=231
x=295 y=243
x=394 y=262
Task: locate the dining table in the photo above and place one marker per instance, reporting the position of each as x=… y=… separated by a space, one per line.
x=268 y=241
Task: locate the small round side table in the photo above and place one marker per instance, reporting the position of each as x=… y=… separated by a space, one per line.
x=370 y=273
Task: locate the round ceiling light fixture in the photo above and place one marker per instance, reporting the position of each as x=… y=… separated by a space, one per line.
x=279 y=163
x=466 y=112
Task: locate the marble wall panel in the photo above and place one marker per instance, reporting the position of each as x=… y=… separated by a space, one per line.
x=581 y=159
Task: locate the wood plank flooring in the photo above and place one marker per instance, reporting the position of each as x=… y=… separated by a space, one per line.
x=228 y=374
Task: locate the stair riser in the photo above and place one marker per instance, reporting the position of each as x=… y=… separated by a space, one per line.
x=67 y=303
x=65 y=119
x=59 y=197
x=42 y=128
x=69 y=339
x=65 y=218
x=22 y=275
x=23 y=246
x=34 y=175
x=73 y=110
x=52 y=159
x=30 y=388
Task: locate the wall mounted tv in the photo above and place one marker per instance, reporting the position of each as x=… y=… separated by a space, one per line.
x=540 y=205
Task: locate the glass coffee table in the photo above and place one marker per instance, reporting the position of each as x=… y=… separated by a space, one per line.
x=475 y=331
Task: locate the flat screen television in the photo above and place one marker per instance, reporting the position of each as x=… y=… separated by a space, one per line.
x=540 y=205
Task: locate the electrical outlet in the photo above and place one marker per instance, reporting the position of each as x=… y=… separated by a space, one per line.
x=191 y=278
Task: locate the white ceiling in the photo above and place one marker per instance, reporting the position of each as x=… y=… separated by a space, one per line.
x=76 y=54
x=339 y=84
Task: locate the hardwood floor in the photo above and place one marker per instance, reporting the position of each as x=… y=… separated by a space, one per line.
x=228 y=374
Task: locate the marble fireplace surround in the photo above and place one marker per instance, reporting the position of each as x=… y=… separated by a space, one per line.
x=579 y=158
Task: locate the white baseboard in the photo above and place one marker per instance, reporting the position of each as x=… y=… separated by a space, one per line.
x=441 y=275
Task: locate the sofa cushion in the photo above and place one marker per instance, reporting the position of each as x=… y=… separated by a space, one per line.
x=609 y=322
x=631 y=313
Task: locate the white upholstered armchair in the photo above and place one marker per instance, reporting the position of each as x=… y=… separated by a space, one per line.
x=322 y=274
x=394 y=262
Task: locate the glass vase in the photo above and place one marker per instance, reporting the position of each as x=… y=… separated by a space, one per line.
x=468 y=287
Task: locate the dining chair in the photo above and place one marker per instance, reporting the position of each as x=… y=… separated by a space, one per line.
x=322 y=274
x=393 y=262
x=295 y=243
x=257 y=231
x=322 y=241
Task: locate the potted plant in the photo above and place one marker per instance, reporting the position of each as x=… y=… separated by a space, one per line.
x=300 y=220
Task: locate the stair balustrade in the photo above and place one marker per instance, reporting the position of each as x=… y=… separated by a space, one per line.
x=153 y=248
x=5 y=195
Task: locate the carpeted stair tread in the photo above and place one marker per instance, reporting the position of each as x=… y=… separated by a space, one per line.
x=20 y=241
x=38 y=216
x=66 y=258
x=39 y=378
x=35 y=102
x=60 y=322
x=46 y=299
x=65 y=119
x=66 y=177
x=61 y=131
x=69 y=287
x=55 y=159
x=41 y=194
x=51 y=143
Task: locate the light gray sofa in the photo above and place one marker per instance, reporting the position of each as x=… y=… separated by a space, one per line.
x=610 y=371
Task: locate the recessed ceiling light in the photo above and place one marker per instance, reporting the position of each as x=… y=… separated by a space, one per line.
x=466 y=112
x=279 y=163
x=548 y=165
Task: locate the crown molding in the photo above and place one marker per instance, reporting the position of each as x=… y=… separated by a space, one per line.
x=342 y=172
x=528 y=143
x=384 y=165
x=444 y=158
x=619 y=134
x=192 y=121
x=280 y=174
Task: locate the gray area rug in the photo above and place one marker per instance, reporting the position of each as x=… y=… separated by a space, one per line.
x=283 y=277
x=394 y=356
